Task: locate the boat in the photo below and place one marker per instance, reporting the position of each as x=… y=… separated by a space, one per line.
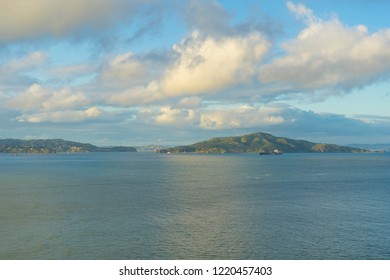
x=271 y=152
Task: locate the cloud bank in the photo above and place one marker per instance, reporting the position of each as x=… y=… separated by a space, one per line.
x=216 y=74
x=330 y=55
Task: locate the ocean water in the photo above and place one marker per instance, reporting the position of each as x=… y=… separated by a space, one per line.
x=189 y=206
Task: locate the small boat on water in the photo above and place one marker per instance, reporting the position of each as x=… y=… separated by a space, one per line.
x=271 y=152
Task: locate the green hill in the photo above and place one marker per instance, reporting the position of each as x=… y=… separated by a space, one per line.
x=54 y=146
x=253 y=143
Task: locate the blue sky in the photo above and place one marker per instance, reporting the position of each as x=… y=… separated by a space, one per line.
x=118 y=72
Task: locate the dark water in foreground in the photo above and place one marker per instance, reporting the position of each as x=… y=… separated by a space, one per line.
x=149 y=206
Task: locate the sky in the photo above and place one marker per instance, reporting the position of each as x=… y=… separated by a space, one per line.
x=119 y=72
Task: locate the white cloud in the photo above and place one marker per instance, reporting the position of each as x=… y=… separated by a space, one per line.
x=329 y=55
x=62 y=116
x=39 y=98
x=30 y=99
x=302 y=12
x=241 y=117
x=214 y=118
x=135 y=95
x=169 y=115
x=124 y=69
x=65 y=98
x=208 y=64
x=27 y=62
x=189 y=102
x=204 y=65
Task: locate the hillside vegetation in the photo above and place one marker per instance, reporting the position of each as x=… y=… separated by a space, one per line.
x=54 y=146
x=253 y=143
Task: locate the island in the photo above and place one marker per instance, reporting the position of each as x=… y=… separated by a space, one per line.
x=262 y=143
x=48 y=146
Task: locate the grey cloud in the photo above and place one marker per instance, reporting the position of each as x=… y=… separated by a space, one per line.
x=212 y=19
x=209 y=17
x=332 y=128
x=152 y=20
x=29 y=20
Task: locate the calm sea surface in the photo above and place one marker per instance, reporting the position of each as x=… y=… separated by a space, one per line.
x=155 y=206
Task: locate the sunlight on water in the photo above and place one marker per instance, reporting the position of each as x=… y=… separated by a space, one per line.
x=148 y=206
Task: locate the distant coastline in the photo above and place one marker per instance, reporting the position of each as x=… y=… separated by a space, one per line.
x=258 y=142
x=261 y=142
x=50 y=146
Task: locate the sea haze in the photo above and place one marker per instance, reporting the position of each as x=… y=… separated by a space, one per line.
x=190 y=206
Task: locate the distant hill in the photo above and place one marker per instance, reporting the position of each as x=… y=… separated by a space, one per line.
x=253 y=143
x=54 y=146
